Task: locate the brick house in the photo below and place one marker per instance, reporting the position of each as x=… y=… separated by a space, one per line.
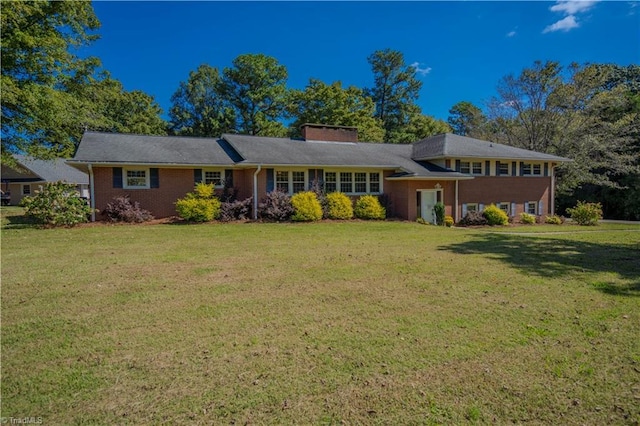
x=463 y=173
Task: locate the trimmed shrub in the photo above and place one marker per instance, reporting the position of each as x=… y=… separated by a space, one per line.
x=527 y=219
x=199 y=205
x=553 y=220
x=439 y=209
x=120 y=209
x=276 y=207
x=495 y=215
x=236 y=210
x=368 y=207
x=56 y=204
x=339 y=206
x=421 y=221
x=306 y=207
x=473 y=218
x=448 y=221
x=586 y=214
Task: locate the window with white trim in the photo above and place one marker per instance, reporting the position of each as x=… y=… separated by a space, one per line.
x=212 y=177
x=476 y=167
x=465 y=167
x=26 y=189
x=472 y=207
x=530 y=169
x=504 y=168
x=505 y=207
x=353 y=182
x=291 y=181
x=136 y=178
x=531 y=207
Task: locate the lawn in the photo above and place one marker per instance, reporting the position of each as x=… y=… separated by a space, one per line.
x=354 y=322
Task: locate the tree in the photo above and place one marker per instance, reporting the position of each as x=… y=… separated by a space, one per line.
x=331 y=104
x=420 y=126
x=394 y=92
x=197 y=107
x=466 y=119
x=37 y=43
x=255 y=88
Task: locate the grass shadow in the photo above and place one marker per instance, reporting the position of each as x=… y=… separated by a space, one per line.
x=560 y=257
x=18 y=222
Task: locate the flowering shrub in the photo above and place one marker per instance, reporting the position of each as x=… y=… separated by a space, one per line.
x=448 y=221
x=57 y=204
x=553 y=220
x=199 y=205
x=306 y=207
x=527 y=219
x=368 y=207
x=495 y=215
x=339 y=206
x=120 y=209
x=586 y=213
x=276 y=207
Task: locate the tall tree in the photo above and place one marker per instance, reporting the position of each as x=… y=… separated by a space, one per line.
x=255 y=87
x=38 y=39
x=395 y=91
x=466 y=119
x=331 y=104
x=197 y=107
x=420 y=126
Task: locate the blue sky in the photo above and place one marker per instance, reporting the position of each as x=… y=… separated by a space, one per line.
x=460 y=48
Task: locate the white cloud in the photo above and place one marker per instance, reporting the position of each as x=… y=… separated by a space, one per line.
x=564 y=24
x=421 y=71
x=571 y=7
x=511 y=33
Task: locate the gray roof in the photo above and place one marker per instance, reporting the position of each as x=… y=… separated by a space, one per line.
x=52 y=170
x=292 y=152
x=454 y=146
x=115 y=148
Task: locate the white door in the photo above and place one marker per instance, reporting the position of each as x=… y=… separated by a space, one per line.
x=429 y=200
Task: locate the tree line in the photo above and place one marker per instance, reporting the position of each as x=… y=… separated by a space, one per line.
x=50 y=96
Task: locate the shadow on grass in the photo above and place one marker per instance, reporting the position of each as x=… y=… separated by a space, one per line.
x=18 y=222
x=560 y=257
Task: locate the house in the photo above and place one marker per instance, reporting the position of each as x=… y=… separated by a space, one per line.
x=463 y=173
x=31 y=173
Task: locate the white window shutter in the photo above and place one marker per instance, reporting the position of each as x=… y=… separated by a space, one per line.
x=513 y=209
x=540 y=207
x=480 y=207
x=464 y=210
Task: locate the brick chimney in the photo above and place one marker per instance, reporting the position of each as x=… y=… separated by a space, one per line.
x=326 y=132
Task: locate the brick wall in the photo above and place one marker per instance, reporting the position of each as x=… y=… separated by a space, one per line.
x=317 y=132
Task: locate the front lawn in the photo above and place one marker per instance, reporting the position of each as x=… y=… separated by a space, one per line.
x=355 y=322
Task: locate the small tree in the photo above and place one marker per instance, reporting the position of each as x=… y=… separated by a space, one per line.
x=200 y=205
x=57 y=204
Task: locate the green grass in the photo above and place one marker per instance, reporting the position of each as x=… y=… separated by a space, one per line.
x=355 y=322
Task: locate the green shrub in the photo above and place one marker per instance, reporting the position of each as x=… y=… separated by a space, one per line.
x=553 y=220
x=527 y=218
x=421 y=221
x=495 y=215
x=306 y=207
x=439 y=209
x=200 y=205
x=586 y=213
x=448 y=221
x=339 y=206
x=57 y=204
x=368 y=207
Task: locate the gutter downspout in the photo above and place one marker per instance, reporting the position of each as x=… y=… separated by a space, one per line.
x=92 y=200
x=553 y=190
x=255 y=192
x=456 y=215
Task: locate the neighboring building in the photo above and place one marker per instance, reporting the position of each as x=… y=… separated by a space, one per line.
x=31 y=174
x=463 y=173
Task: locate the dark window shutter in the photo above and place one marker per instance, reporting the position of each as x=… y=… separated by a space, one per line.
x=270 y=183
x=521 y=168
x=228 y=178
x=117 y=177
x=497 y=168
x=312 y=177
x=197 y=175
x=546 y=169
x=487 y=168
x=514 y=168
x=457 y=165
x=154 y=175
x=320 y=175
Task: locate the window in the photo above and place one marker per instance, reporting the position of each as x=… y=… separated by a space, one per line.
x=353 y=182
x=472 y=207
x=503 y=168
x=536 y=170
x=504 y=207
x=477 y=168
x=282 y=181
x=213 y=177
x=291 y=181
x=465 y=167
x=26 y=189
x=531 y=207
x=330 y=182
x=136 y=178
x=526 y=169
x=530 y=169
